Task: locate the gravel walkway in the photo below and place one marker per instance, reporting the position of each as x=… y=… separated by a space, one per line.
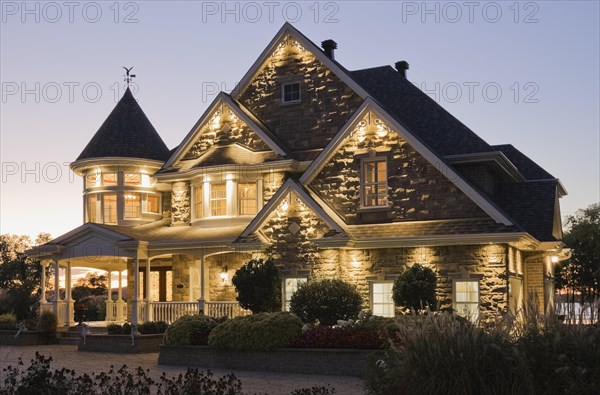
x=252 y=382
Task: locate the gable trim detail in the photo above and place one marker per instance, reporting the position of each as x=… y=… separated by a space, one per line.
x=287 y=28
x=289 y=186
x=237 y=108
x=371 y=105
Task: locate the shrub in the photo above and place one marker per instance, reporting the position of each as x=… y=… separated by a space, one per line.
x=348 y=338
x=326 y=301
x=322 y=390
x=415 y=288
x=153 y=327
x=47 y=323
x=126 y=328
x=258 y=284
x=262 y=331
x=190 y=330
x=8 y=321
x=114 y=329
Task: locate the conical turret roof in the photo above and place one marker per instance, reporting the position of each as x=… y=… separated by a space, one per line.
x=127 y=132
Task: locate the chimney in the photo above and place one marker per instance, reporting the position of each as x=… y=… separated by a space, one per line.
x=402 y=66
x=328 y=47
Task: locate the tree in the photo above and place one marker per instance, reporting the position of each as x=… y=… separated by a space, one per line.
x=20 y=275
x=581 y=273
x=258 y=284
x=415 y=288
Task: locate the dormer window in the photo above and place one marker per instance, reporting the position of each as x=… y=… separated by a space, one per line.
x=373 y=182
x=225 y=199
x=290 y=93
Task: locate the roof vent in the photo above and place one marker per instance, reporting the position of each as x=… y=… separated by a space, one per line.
x=402 y=66
x=328 y=47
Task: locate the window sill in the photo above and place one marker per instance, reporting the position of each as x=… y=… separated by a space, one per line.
x=371 y=209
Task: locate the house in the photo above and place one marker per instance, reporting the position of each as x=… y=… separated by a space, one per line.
x=334 y=173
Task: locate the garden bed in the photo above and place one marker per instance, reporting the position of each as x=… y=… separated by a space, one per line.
x=121 y=344
x=286 y=360
x=28 y=338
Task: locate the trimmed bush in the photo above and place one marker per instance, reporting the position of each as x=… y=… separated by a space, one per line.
x=326 y=301
x=8 y=321
x=341 y=338
x=258 y=285
x=263 y=331
x=47 y=323
x=190 y=330
x=153 y=327
x=415 y=288
x=114 y=329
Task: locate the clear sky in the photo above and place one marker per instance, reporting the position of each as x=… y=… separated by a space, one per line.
x=525 y=73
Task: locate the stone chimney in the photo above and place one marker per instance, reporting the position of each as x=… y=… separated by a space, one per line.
x=402 y=66
x=328 y=47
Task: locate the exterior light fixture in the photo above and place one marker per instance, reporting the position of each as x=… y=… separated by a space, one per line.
x=554 y=259
x=224 y=275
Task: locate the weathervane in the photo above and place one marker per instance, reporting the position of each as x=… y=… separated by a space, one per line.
x=128 y=77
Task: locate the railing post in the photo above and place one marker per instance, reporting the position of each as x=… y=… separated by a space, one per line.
x=201 y=305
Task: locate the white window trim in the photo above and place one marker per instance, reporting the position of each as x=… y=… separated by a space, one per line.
x=227 y=199
x=125 y=217
x=363 y=182
x=283 y=101
x=471 y=278
x=283 y=292
x=238 y=200
x=373 y=282
x=104 y=221
x=195 y=215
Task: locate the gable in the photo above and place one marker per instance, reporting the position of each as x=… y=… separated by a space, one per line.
x=328 y=96
x=225 y=124
x=420 y=185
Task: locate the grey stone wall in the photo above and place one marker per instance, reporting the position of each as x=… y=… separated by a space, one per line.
x=180 y=203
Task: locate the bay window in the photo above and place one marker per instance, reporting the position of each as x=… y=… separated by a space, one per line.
x=151 y=204
x=132 y=205
x=197 y=196
x=218 y=199
x=247 y=199
x=94 y=208
x=109 y=201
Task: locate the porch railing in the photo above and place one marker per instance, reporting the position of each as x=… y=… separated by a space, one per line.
x=116 y=311
x=221 y=309
x=171 y=311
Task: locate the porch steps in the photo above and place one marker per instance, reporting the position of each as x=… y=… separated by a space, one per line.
x=73 y=334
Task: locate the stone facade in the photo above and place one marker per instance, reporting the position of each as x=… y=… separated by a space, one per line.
x=182 y=287
x=326 y=102
x=417 y=190
x=219 y=289
x=180 y=203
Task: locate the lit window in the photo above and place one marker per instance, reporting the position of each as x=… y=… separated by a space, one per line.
x=291 y=92
x=132 y=205
x=132 y=179
x=374 y=182
x=152 y=204
x=110 y=208
x=466 y=299
x=94 y=209
x=290 y=286
x=382 y=303
x=109 y=178
x=92 y=180
x=247 y=199
x=198 y=201
x=218 y=199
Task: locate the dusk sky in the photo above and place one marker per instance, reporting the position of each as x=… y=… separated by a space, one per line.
x=524 y=73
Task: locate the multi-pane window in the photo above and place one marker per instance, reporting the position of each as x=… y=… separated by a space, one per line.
x=133 y=205
x=291 y=285
x=198 y=201
x=382 y=303
x=109 y=178
x=218 y=199
x=109 y=201
x=94 y=208
x=466 y=299
x=152 y=204
x=247 y=199
x=374 y=182
x=92 y=180
x=291 y=92
x=132 y=179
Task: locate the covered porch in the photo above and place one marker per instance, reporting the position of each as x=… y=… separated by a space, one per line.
x=162 y=283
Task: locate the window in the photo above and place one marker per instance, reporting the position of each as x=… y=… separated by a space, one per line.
x=152 y=204
x=374 y=182
x=290 y=93
x=132 y=205
x=247 y=199
x=218 y=199
x=92 y=180
x=110 y=208
x=291 y=285
x=382 y=303
x=132 y=179
x=109 y=178
x=466 y=299
x=197 y=196
x=94 y=209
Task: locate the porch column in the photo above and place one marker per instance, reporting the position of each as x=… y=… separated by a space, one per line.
x=120 y=289
x=55 y=302
x=43 y=285
x=136 y=291
x=69 y=316
x=149 y=313
x=109 y=302
x=203 y=285
x=120 y=302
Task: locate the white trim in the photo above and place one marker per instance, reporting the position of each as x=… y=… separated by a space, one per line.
x=221 y=99
x=371 y=105
x=288 y=186
x=283 y=85
x=286 y=29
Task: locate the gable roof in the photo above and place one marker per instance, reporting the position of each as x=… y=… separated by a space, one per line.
x=128 y=133
x=527 y=167
x=289 y=186
x=288 y=29
x=371 y=105
x=240 y=112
